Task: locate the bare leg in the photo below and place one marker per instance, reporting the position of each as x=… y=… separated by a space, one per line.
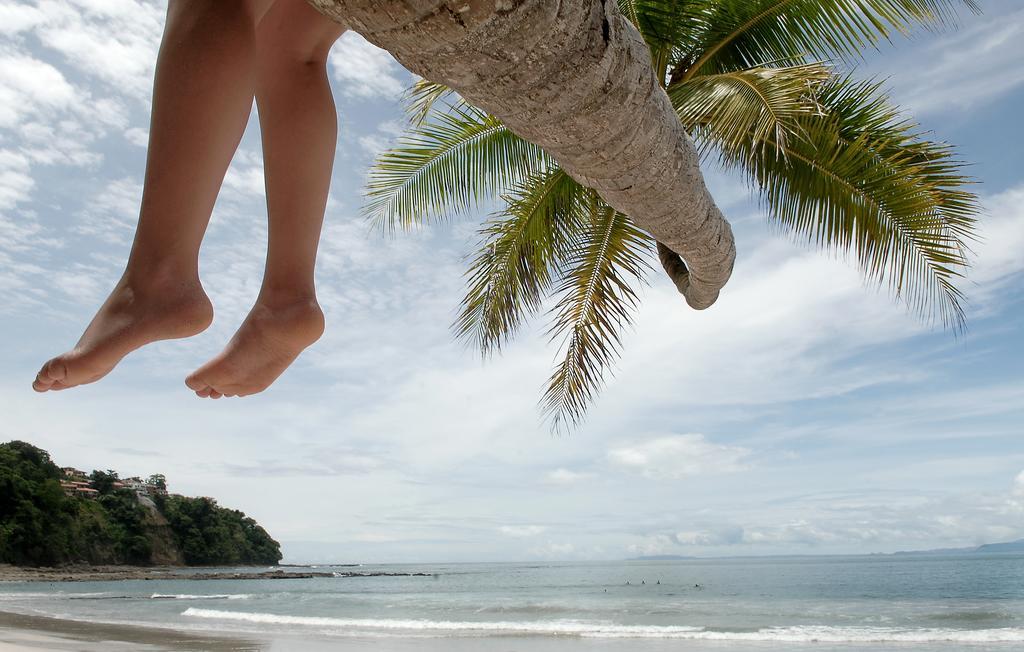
x=202 y=96
x=299 y=126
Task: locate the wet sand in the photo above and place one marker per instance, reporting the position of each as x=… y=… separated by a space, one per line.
x=22 y=633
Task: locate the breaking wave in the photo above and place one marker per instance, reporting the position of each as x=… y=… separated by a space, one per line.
x=589 y=629
x=186 y=596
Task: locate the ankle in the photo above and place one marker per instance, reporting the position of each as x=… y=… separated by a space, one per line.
x=161 y=276
x=287 y=297
x=294 y=318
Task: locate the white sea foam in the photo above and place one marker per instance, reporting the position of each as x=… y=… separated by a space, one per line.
x=590 y=629
x=22 y=595
x=564 y=627
x=187 y=596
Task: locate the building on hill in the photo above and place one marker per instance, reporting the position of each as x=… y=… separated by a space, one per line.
x=78 y=488
x=143 y=487
x=96 y=524
x=73 y=473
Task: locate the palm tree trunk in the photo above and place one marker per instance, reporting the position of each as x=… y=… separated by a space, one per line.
x=574 y=77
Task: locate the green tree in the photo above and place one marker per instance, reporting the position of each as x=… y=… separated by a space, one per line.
x=831 y=158
x=34 y=515
x=40 y=525
x=103 y=481
x=210 y=535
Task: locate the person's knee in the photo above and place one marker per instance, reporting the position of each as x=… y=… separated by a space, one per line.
x=280 y=52
x=294 y=35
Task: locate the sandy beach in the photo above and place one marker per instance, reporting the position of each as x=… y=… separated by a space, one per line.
x=23 y=633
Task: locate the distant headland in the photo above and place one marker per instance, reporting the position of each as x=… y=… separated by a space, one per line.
x=52 y=516
x=986 y=548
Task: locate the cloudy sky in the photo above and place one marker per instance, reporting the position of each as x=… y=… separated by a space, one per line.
x=804 y=413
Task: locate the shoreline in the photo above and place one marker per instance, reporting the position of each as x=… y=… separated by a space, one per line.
x=32 y=633
x=27 y=633
x=117 y=573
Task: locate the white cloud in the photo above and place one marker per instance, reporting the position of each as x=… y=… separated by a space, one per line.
x=111 y=213
x=16 y=17
x=678 y=456
x=863 y=521
x=365 y=70
x=381 y=139
x=981 y=62
x=113 y=41
x=29 y=86
x=563 y=476
x=999 y=255
x=522 y=531
x=244 y=179
x=1015 y=503
x=722 y=535
x=16 y=183
x=554 y=550
x=137 y=136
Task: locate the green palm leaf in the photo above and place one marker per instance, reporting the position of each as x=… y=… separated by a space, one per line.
x=832 y=158
x=447 y=166
x=423 y=96
x=746 y=33
x=749 y=106
x=860 y=178
x=667 y=25
x=596 y=301
x=522 y=247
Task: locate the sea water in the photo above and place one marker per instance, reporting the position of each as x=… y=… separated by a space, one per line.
x=905 y=602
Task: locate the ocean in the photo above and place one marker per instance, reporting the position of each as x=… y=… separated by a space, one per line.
x=904 y=602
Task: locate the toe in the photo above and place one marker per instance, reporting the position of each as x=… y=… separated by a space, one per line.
x=194 y=383
x=55 y=369
x=204 y=392
x=53 y=375
x=215 y=394
x=42 y=381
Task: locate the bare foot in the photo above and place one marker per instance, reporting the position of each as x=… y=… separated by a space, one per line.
x=265 y=345
x=134 y=315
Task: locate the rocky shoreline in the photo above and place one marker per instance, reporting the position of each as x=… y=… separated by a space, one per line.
x=114 y=573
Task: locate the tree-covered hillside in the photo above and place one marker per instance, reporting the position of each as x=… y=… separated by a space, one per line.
x=210 y=535
x=43 y=523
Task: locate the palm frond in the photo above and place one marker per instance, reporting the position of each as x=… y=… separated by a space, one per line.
x=746 y=33
x=423 y=96
x=667 y=25
x=755 y=105
x=861 y=178
x=447 y=166
x=596 y=301
x=521 y=248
